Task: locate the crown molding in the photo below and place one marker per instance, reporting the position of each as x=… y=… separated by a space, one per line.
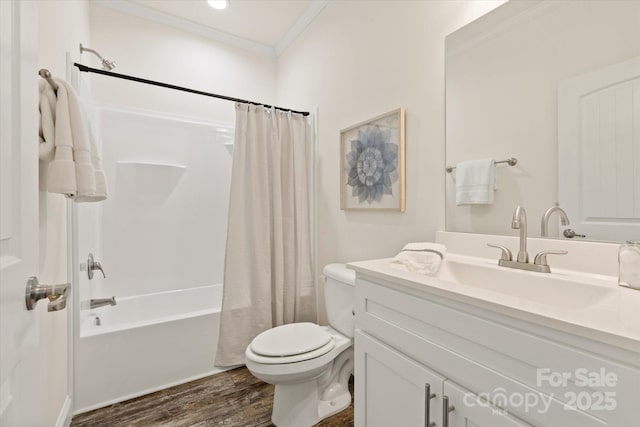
x=144 y=12
x=157 y=16
x=501 y=19
x=300 y=25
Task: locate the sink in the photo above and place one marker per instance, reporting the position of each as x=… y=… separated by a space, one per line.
x=561 y=290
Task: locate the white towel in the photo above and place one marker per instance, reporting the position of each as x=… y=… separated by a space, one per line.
x=475 y=182
x=423 y=258
x=66 y=141
x=48 y=102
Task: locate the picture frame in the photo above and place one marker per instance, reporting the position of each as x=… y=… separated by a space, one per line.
x=372 y=164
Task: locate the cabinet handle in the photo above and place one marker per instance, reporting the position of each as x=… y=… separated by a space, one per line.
x=427 y=405
x=445 y=411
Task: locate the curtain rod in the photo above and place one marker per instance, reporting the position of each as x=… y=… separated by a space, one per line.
x=184 y=89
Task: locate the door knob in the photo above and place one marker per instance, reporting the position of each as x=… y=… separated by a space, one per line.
x=93 y=266
x=57 y=294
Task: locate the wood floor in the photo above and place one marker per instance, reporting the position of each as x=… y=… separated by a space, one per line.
x=231 y=399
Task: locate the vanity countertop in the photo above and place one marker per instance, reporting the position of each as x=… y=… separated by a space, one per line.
x=613 y=317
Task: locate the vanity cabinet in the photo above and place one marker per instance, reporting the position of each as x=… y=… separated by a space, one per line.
x=398 y=391
x=495 y=370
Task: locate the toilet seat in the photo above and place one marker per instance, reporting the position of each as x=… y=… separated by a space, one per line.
x=295 y=342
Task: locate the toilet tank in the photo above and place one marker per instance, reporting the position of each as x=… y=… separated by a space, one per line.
x=339 y=285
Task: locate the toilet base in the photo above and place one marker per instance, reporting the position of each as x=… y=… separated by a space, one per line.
x=307 y=403
x=308 y=410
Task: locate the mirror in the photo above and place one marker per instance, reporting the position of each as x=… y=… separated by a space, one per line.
x=506 y=75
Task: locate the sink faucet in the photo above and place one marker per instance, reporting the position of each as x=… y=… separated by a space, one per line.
x=544 y=225
x=519 y=221
x=100 y=302
x=539 y=265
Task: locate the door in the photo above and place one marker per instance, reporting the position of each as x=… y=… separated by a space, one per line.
x=599 y=152
x=469 y=410
x=20 y=379
x=393 y=390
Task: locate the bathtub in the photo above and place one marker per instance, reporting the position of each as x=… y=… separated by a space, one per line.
x=144 y=344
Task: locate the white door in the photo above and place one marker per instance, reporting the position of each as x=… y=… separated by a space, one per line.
x=392 y=389
x=20 y=379
x=468 y=410
x=599 y=151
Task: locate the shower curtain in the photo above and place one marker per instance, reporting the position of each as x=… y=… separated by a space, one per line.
x=268 y=279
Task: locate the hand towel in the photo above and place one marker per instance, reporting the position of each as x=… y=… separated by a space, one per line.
x=75 y=167
x=475 y=182
x=422 y=258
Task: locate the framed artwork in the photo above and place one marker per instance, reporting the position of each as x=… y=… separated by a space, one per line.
x=372 y=174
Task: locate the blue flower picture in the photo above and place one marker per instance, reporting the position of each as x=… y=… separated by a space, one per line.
x=373 y=164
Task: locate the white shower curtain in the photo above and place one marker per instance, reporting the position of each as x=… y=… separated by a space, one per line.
x=268 y=278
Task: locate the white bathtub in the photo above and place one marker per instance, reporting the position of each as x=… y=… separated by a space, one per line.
x=146 y=343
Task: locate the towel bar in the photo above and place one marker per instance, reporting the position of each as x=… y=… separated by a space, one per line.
x=512 y=161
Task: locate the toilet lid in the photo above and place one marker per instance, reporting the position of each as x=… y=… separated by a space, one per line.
x=290 y=340
x=271 y=360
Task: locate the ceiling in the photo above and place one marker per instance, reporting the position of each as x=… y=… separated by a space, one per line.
x=266 y=22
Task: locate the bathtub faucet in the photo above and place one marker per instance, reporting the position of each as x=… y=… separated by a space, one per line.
x=100 y=302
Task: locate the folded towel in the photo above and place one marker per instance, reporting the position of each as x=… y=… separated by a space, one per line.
x=475 y=182
x=66 y=141
x=422 y=258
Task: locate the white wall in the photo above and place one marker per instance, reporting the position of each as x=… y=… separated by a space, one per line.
x=158 y=52
x=502 y=87
x=57 y=37
x=357 y=60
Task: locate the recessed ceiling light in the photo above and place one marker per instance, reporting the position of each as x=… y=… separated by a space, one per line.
x=218 y=4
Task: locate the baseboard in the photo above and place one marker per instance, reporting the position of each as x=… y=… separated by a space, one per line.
x=64 y=417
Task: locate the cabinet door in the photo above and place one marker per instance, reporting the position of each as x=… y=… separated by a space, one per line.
x=469 y=410
x=391 y=389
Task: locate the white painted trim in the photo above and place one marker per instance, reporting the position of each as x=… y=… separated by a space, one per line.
x=317 y=269
x=300 y=25
x=188 y=26
x=65 y=415
x=497 y=21
x=290 y=36
x=72 y=318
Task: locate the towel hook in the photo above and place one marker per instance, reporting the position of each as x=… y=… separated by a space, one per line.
x=46 y=74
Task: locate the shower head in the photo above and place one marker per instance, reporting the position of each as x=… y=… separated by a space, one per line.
x=107 y=64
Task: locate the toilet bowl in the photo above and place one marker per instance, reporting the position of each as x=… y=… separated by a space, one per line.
x=310 y=365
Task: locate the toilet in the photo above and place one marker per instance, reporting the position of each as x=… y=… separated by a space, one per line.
x=310 y=365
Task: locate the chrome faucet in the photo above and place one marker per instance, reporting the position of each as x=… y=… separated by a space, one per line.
x=544 y=225
x=100 y=302
x=539 y=265
x=519 y=221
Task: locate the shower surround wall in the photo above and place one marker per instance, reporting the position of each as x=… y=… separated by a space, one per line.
x=160 y=237
x=164 y=224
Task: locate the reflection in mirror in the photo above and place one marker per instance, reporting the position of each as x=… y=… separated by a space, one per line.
x=520 y=83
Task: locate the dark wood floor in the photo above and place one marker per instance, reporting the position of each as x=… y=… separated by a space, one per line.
x=231 y=399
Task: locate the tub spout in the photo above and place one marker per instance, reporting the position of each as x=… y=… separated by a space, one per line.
x=100 y=302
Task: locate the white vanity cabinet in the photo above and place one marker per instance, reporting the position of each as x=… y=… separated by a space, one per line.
x=394 y=390
x=494 y=369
